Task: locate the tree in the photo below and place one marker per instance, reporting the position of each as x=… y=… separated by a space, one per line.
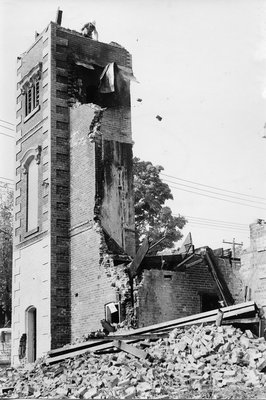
x=6 y=228
x=152 y=218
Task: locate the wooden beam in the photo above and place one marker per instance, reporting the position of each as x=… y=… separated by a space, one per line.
x=135 y=264
x=204 y=320
x=184 y=261
x=150 y=336
x=229 y=311
x=92 y=346
x=62 y=357
x=224 y=291
x=199 y=260
x=130 y=349
x=254 y=320
x=76 y=347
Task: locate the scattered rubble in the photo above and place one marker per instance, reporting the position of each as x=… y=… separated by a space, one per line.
x=203 y=361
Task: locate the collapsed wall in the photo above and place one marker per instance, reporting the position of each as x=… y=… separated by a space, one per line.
x=164 y=291
x=100 y=218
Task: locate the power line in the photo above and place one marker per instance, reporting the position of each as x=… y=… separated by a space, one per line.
x=213 y=223
x=219 y=226
x=5 y=134
x=219 y=194
x=216 y=228
x=213 y=187
x=218 y=198
x=215 y=220
x=6 y=127
x=6 y=122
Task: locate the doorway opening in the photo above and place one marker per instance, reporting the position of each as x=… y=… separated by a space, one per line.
x=31 y=314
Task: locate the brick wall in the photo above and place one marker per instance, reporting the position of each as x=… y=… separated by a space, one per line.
x=59 y=192
x=31 y=257
x=58 y=49
x=90 y=287
x=233 y=278
x=163 y=295
x=253 y=265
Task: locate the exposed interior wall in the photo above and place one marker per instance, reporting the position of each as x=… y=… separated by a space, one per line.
x=117 y=208
x=162 y=295
x=92 y=267
x=253 y=265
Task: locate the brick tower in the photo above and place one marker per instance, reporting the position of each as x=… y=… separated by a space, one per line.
x=74 y=212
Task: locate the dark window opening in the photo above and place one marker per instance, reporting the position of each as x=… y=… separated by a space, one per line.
x=32 y=97
x=2 y=317
x=112 y=313
x=86 y=87
x=209 y=302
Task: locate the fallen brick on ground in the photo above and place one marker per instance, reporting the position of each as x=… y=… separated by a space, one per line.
x=197 y=362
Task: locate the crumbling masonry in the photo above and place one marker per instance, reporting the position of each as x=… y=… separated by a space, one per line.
x=74 y=212
x=74 y=232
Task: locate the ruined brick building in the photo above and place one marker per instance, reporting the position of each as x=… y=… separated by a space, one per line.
x=74 y=212
x=253 y=265
x=73 y=197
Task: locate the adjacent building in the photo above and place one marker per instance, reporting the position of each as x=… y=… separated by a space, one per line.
x=253 y=265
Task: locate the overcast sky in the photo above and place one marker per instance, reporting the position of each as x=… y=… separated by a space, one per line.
x=201 y=66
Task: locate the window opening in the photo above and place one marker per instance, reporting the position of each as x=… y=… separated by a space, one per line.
x=32 y=196
x=32 y=97
x=112 y=313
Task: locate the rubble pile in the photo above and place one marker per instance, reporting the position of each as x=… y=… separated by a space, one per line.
x=197 y=362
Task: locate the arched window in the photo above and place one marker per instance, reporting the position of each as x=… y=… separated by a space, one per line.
x=32 y=195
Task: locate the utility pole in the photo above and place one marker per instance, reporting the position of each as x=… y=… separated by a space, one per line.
x=234 y=244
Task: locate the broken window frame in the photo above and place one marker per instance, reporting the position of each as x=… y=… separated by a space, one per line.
x=113 y=320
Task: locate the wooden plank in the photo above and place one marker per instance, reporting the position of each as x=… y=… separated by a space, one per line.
x=76 y=347
x=202 y=320
x=254 y=320
x=62 y=357
x=261 y=327
x=135 y=264
x=219 y=317
x=208 y=316
x=215 y=276
x=130 y=349
x=151 y=336
x=243 y=307
x=218 y=277
x=185 y=260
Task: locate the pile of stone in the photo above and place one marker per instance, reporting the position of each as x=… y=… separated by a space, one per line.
x=189 y=362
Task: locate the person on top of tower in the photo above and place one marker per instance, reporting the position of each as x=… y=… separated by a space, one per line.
x=90 y=28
